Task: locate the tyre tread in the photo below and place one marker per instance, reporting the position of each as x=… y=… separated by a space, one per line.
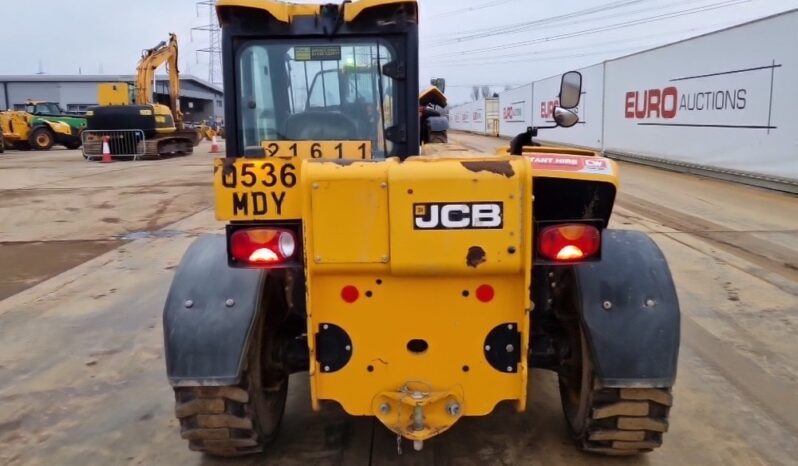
x=627 y=421
x=207 y=423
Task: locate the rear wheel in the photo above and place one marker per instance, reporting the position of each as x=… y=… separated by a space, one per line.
x=611 y=421
x=241 y=419
x=438 y=137
x=20 y=145
x=41 y=139
x=72 y=145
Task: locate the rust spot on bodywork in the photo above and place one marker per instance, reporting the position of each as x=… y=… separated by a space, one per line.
x=499 y=167
x=475 y=256
x=345 y=162
x=342 y=162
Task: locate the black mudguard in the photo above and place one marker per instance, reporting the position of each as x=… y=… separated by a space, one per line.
x=630 y=312
x=209 y=315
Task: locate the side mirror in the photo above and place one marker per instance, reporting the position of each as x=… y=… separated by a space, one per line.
x=570 y=89
x=565 y=118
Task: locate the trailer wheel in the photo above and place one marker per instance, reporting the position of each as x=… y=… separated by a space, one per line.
x=41 y=139
x=240 y=419
x=610 y=421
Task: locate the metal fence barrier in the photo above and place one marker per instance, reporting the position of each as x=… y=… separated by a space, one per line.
x=122 y=143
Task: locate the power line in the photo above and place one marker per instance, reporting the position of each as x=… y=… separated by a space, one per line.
x=473 y=8
x=610 y=27
x=543 y=22
x=531 y=55
x=550 y=58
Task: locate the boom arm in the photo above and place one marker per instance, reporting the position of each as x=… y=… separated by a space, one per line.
x=150 y=61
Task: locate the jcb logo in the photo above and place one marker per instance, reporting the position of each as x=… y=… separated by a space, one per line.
x=458 y=216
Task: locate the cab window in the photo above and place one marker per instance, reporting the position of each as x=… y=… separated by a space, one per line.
x=315 y=91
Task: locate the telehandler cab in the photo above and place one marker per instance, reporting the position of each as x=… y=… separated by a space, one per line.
x=418 y=289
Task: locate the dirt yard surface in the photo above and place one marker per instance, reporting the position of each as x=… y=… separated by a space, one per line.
x=87 y=252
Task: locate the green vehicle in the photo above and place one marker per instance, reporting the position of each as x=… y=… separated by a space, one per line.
x=42 y=125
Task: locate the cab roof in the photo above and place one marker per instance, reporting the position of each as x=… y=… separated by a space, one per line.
x=285 y=12
x=432 y=95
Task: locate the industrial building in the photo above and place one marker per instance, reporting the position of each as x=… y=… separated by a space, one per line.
x=199 y=100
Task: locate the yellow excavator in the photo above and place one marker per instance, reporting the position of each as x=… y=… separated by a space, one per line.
x=145 y=128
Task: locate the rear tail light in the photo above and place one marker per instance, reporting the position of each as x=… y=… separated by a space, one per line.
x=570 y=242
x=262 y=246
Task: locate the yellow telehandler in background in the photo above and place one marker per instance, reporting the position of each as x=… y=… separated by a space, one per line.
x=40 y=126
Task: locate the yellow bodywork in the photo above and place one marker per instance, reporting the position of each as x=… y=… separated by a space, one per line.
x=417 y=285
x=113 y=94
x=418 y=293
x=16 y=126
x=360 y=231
x=285 y=12
x=432 y=95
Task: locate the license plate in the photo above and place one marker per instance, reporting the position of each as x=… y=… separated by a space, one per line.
x=267 y=188
x=350 y=150
x=257 y=189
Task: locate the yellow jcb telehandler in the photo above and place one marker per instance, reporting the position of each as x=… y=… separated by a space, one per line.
x=415 y=288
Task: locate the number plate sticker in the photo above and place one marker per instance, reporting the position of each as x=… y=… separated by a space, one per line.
x=257 y=189
x=350 y=150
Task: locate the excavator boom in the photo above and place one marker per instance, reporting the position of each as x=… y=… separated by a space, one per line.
x=151 y=60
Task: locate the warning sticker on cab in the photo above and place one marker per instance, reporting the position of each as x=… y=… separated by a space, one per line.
x=571 y=163
x=257 y=189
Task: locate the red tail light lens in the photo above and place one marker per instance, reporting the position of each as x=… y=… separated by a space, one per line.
x=262 y=246
x=570 y=242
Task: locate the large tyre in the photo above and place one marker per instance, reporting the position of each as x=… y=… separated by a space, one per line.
x=610 y=421
x=241 y=419
x=438 y=137
x=72 y=145
x=20 y=145
x=41 y=138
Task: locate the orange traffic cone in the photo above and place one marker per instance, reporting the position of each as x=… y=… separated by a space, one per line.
x=214 y=145
x=106 y=151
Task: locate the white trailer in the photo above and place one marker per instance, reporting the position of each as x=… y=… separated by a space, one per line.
x=460 y=117
x=477 y=124
x=515 y=108
x=724 y=101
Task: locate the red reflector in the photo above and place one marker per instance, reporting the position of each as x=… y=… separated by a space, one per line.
x=349 y=294
x=569 y=242
x=262 y=246
x=485 y=293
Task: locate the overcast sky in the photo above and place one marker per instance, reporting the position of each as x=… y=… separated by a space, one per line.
x=469 y=42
